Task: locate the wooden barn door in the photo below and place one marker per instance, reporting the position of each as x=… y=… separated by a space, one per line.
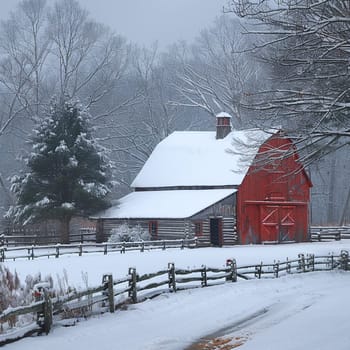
x=287 y=223
x=269 y=223
x=277 y=223
x=216 y=232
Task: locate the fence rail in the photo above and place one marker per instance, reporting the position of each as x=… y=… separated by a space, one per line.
x=135 y=288
x=57 y=250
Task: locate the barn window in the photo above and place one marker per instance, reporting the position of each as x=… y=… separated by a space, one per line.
x=153 y=229
x=198 y=228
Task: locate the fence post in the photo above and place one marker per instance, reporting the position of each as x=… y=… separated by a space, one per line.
x=47 y=312
x=57 y=250
x=276 y=269
x=288 y=266
x=310 y=262
x=44 y=316
x=80 y=249
x=105 y=249
x=301 y=262
x=164 y=246
x=107 y=280
x=123 y=248
x=204 y=281
x=132 y=284
x=142 y=247
x=233 y=270
x=338 y=236
x=258 y=270
x=182 y=244
x=332 y=262
x=2 y=255
x=172 y=277
x=344 y=260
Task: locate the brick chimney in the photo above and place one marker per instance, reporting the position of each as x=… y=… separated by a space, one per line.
x=223 y=125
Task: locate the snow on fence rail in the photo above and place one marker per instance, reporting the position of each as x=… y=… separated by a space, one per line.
x=38 y=251
x=135 y=288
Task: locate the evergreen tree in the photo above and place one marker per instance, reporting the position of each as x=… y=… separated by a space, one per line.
x=68 y=170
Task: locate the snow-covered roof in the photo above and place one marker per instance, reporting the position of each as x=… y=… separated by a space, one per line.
x=223 y=115
x=164 y=204
x=190 y=158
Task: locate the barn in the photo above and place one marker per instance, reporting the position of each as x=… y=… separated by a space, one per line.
x=224 y=187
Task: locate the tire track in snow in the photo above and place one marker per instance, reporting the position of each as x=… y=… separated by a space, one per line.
x=237 y=333
x=222 y=333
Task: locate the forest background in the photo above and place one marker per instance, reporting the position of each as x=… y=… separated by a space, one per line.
x=139 y=95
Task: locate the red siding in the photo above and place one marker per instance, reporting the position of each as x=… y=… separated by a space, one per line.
x=273 y=200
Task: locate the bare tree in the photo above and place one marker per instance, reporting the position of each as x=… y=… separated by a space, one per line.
x=158 y=118
x=218 y=75
x=90 y=60
x=152 y=117
x=23 y=52
x=59 y=50
x=307 y=43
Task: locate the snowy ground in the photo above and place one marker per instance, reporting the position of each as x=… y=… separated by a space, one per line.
x=306 y=311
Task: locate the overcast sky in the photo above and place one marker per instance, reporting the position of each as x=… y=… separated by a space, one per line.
x=147 y=21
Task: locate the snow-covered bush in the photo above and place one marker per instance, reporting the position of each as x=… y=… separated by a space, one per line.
x=126 y=233
x=13 y=293
x=9 y=289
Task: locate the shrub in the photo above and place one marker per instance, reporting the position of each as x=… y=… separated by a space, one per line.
x=126 y=233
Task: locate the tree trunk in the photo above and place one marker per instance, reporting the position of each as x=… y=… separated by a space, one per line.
x=64 y=231
x=8 y=197
x=345 y=209
x=100 y=237
x=331 y=202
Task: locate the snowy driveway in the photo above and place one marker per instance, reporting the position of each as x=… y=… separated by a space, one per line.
x=311 y=315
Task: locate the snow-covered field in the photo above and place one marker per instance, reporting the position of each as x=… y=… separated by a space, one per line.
x=305 y=311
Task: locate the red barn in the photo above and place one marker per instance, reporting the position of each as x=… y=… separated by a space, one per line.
x=273 y=198
x=225 y=187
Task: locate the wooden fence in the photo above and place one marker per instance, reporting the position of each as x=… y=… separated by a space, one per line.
x=329 y=233
x=134 y=288
x=22 y=237
x=57 y=250
x=25 y=237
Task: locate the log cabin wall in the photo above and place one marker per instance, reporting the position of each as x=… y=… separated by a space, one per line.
x=226 y=211
x=174 y=228
x=166 y=228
